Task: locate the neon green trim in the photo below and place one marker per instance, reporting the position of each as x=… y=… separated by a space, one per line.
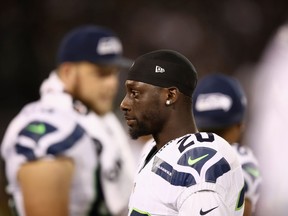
x=196 y=160
x=253 y=171
x=141 y=212
x=37 y=128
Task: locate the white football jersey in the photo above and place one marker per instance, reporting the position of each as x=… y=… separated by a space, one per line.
x=40 y=132
x=197 y=174
x=251 y=173
x=56 y=125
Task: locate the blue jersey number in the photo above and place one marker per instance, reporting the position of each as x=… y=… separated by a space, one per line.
x=199 y=138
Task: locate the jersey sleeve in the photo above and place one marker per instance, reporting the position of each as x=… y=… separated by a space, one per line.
x=40 y=138
x=251 y=173
x=252 y=182
x=40 y=135
x=206 y=203
x=212 y=166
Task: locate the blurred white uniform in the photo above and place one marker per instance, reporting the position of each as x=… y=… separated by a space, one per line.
x=57 y=126
x=196 y=174
x=267 y=128
x=251 y=173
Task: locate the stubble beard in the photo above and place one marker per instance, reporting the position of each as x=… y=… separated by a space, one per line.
x=151 y=125
x=141 y=130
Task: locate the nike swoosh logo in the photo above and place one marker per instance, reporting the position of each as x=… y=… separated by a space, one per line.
x=252 y=171
x=37 y=128
x=206 y=212
x=196 y=160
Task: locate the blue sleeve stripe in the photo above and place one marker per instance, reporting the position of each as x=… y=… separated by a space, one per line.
x=216 y=170
x=36 y=130
x=27 y=152
x=196 y=157
x=68 y=142
x=252 y=170
x=241 y=199
x=168 y=173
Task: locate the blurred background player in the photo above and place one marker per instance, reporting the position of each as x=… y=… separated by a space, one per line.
x=219 y=105
x=67 y=154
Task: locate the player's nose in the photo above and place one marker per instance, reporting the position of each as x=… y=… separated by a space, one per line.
x=124 y=105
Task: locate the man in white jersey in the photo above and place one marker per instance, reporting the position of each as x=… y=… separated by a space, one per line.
x=67 y=154
x=219 y=105
x=184 y=172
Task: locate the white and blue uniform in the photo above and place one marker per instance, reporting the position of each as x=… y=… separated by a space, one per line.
x=251 y=173
x=197 y=174
x=52 y=127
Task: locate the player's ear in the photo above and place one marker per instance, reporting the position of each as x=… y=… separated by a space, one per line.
x=172 y=95
x=67 y=73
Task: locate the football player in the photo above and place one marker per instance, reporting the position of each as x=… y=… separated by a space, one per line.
x=183 y=172
x=67 y=154
x=219 y=105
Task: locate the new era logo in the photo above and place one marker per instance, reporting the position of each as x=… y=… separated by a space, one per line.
x=159 y=69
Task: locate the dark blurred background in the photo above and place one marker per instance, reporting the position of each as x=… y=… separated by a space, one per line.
x=224 y=36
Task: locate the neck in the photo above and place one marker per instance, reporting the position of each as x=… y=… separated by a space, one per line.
x=231 y=134
x=174 y=129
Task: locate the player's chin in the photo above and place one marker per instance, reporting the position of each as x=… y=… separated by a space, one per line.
x=134 y=134
x=102 y=109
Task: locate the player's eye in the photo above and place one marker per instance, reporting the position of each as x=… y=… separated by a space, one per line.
x=134 y=93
